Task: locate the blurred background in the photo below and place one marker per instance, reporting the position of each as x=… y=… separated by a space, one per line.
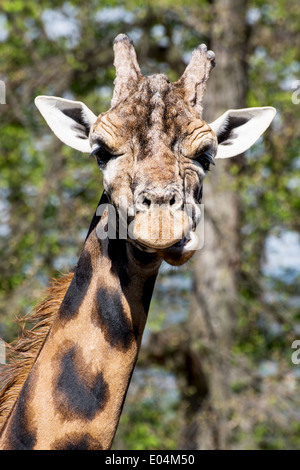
x=215 y=369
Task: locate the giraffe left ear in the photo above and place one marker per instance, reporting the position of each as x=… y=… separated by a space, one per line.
x=238 y=129
x=69 y=120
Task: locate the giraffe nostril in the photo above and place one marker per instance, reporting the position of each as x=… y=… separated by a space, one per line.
x=172 y=201
x=146 y=202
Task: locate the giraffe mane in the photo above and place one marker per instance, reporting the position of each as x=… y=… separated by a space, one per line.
x=23 y=352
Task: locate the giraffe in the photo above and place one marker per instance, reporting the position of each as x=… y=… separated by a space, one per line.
x=154 y=150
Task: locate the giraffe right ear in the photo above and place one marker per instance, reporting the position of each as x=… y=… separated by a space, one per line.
x=69 y=120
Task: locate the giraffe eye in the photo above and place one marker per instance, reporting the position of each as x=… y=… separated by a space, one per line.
x=205 y=159
x=102 y=155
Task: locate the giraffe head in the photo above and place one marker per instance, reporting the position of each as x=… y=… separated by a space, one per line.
x=154 y=148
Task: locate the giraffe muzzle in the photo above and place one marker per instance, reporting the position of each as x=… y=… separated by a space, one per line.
x=159 y=227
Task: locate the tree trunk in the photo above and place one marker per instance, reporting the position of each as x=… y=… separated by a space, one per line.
x=212 y=316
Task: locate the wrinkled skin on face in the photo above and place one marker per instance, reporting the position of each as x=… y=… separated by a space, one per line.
x=152 y=148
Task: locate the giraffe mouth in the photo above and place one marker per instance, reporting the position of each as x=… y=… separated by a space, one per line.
x=189 y=242
x=178 y=253
x=160 y=228
x=182 y=251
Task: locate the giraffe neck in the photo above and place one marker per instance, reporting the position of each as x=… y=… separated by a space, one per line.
x=74 y=394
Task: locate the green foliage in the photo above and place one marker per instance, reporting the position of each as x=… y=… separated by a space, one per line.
x=48 y=192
